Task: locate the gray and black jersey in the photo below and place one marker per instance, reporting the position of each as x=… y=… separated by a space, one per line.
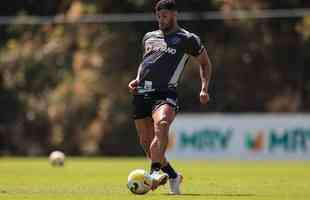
x=164 y=59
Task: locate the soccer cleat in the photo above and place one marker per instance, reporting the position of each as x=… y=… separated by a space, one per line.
x=158 y=179
x=174 y=184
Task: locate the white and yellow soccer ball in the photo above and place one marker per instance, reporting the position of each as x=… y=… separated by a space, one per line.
x=139 y=181
x=57 y=158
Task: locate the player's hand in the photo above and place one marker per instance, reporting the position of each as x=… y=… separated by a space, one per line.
x=204 y=96
x=132 y=86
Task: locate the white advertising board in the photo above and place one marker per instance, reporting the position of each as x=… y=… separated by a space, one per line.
x=244 y=136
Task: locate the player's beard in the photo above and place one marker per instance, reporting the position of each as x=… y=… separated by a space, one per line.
x=166 y=27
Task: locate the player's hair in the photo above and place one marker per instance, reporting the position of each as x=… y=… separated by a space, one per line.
x=166 y=4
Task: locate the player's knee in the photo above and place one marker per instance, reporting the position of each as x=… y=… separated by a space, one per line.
x=163 y=123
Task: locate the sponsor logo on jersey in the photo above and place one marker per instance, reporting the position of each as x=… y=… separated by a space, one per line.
x=169 y=50
x=148 y=85
x=158 y=45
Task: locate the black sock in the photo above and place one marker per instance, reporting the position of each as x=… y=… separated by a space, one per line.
x=155 y=166
x=169 y=170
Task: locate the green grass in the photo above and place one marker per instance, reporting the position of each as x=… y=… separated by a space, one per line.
x=94 y=179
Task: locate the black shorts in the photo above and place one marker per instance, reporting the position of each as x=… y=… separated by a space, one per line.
x=145 y=104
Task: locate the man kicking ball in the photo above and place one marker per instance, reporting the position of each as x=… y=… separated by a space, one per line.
x=166 y=52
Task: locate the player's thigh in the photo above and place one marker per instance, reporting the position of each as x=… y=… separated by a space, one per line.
x=145 y=129
x=163 y=115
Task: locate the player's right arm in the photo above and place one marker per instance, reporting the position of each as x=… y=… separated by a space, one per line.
x=132 y=86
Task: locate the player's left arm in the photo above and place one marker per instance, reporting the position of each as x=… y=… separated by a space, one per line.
x=205 y=75
x=196 y=49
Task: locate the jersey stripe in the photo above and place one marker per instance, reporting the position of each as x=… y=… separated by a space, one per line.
x=178 y=71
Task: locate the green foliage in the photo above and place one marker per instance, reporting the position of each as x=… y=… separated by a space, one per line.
x=68 y=74
x=65 y=85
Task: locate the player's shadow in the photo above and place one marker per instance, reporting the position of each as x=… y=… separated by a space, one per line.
x=217 y=195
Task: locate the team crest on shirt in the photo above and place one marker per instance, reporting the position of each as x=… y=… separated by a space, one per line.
x=175 y=40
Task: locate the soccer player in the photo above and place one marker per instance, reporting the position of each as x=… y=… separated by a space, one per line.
x=166 y=52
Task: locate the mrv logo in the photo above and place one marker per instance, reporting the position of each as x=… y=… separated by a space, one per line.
x=211 y=139
x=255 y=141
x=291 y=140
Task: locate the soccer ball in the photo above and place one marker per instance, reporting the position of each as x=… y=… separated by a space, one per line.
x=139 y=181
x=57 y=158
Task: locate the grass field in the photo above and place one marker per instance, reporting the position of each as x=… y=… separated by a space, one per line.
x=94 y=179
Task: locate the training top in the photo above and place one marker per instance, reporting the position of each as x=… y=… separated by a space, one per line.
x=164 y=58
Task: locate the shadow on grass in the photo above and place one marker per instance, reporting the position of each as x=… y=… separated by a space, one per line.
x=216 y=195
